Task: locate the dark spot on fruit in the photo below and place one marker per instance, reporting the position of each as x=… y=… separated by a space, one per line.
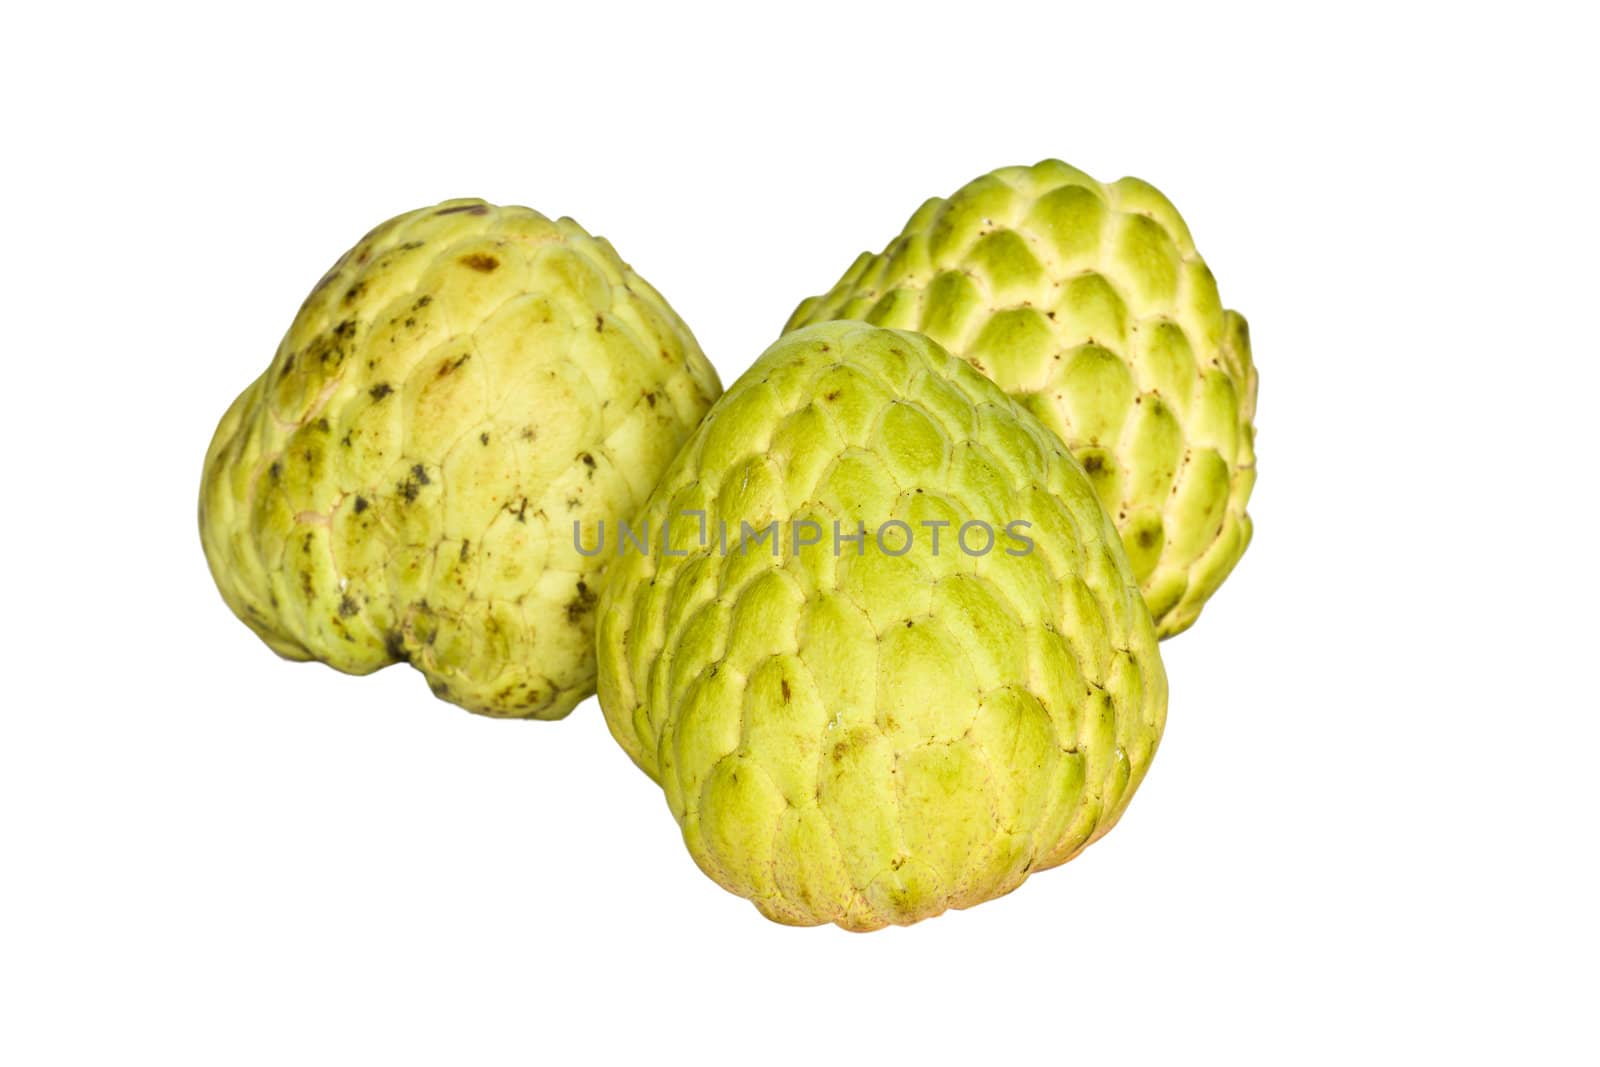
x=588 y=460
x=322 y=424
x=411 y=320
x=395 y=646
x=650 y=398
x=480 y=261
x=361 y=504
x=783 y=684
x=381 y=390
x=453 y=365
x=288 y=365
x=348 y=606
x=529 y=433
x=832 y=396
x=470 y=209
x=1093 y=464
x=422 y=302
x=275 y=470
x=1147 y=538
x=346 y=329
x=465 y=545
x=483 y=438
x=581 y=604
x=413 y=483
x=352 y=294
x=599 y=323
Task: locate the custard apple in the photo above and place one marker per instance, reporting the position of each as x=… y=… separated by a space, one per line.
x=870 y=722
x=463 y=386
x=1089 y=304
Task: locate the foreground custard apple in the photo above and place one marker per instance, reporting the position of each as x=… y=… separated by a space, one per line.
x=402 y=483
x=1088 y=303
x=882 y=650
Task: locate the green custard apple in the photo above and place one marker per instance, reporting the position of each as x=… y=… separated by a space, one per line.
x=881 y=647
x=1088 y=303
x=402 y=483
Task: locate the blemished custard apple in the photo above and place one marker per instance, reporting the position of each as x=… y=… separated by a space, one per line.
x=402 y=483
x=870 y=731
x=1088 y=303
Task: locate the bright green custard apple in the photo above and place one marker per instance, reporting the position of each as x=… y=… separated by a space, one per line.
x=882 y=648
x=402 y=483
x=1088 y=303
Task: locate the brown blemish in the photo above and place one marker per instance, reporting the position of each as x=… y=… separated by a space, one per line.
x=361 y=504
x=348 y=606
x=581 y=604
x=413 y=483
x=480 y=261
x=381 y=390
x=783 y=684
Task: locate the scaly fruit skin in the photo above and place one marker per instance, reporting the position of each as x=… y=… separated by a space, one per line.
x=402 y=482
x=873 y=738
x=1089 y=304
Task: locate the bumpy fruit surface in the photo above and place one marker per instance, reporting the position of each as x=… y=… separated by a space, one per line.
x=402 y=483
x=1088 y=303
x=871 y=732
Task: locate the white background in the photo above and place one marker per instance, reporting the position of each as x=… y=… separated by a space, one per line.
x=1369 y=834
